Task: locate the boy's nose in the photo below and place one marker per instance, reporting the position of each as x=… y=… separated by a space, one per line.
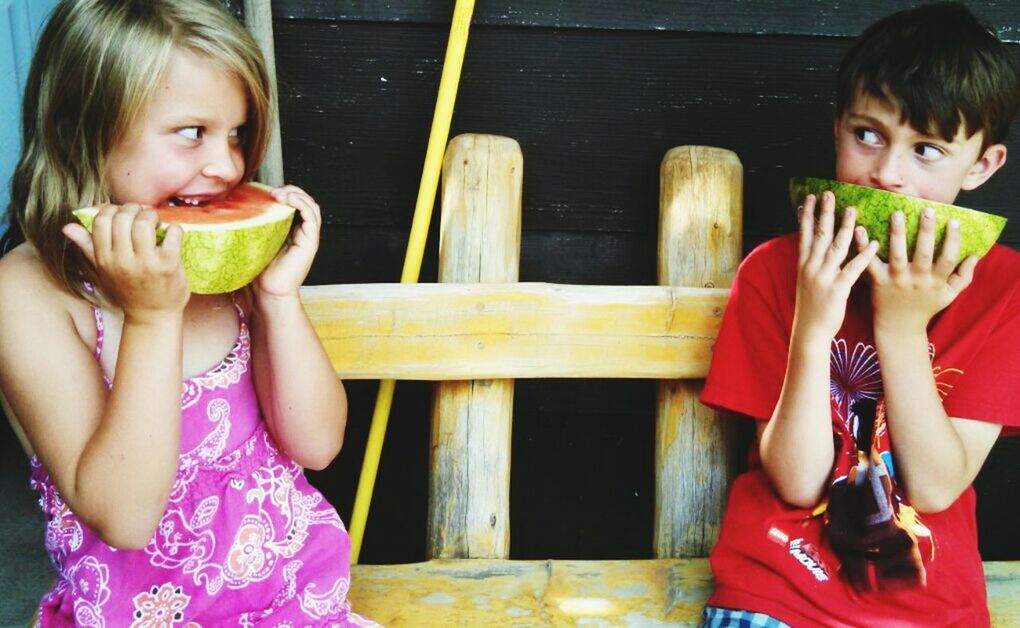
x=887 y=172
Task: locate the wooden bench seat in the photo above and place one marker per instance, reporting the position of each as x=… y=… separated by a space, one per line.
x=477 y=592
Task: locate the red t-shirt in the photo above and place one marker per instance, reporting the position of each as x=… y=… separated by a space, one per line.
x=774 y=558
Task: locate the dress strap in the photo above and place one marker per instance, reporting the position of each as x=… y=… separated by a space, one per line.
x=98 y=315
x=237 y=306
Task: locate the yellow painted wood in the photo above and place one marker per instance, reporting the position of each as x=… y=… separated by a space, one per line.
x=1003 y=580
x=479 y=240
x=700 y=216
x=524 y=330
x=479 y=592
x=476 y=592
x=480 y=226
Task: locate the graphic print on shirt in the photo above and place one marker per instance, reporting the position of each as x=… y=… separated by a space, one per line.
x=872 y=528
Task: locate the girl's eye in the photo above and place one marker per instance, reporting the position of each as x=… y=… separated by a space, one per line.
x=929 y=152
x=190 y=132
x=867 y=136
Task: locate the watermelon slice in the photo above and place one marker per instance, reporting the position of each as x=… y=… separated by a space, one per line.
x=978 y=230
x=227 y=242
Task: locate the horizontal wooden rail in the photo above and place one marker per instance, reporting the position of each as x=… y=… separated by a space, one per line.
x=518 y=330
x=478 y=592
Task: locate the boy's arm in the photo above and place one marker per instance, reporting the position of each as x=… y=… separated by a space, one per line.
x=936 y=455
x=796 y=445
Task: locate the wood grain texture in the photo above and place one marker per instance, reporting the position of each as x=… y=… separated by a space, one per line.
x=821 y=18
x=259 y=20
x=480 y=240
x=532 y=593
x=700 y=228
x=593 y=125
x=493 y=331
x=571 y=593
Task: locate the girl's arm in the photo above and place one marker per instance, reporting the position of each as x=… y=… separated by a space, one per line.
x=112 y=455
x=796 y=445
x=301 y=397
x=937 y=456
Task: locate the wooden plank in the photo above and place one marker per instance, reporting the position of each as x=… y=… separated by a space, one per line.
x=700 y=222
x=478 y=592
x=258 y=18
x=828 y=18
x=493 y=331
x=594 y=133
x=1003 y=580
x=480 y=240
x=567 y=592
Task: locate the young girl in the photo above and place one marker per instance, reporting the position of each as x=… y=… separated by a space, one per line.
x=166 y=503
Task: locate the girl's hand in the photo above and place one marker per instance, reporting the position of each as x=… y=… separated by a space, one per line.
x=285 y=274
x=908 y=293
x=145 y=279
x=823 y=280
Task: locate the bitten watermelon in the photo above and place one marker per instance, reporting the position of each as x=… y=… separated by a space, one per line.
x=978 y=230
x=227 y=242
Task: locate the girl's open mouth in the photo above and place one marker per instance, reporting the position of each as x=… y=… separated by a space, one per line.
x=180 y=201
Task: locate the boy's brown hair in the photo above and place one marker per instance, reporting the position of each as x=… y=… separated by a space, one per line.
x=942 y=67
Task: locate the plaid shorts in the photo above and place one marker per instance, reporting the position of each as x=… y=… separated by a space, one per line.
x=732 y=618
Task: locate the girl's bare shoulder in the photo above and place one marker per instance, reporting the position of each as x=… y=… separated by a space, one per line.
x=31 y=297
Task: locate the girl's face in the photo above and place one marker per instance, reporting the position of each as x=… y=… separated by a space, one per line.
x=185 y=147
x=876 y=148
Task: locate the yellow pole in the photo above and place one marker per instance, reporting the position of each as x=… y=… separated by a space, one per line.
x=415 y=250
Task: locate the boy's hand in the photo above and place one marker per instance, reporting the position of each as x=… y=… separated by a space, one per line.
x=908 y=293
x=285 y=274
x=145 y=279
x=823 y=280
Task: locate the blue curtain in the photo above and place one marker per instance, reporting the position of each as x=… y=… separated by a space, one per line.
x=20 y=23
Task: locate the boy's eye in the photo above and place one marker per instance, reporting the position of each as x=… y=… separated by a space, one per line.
x=929 y=152
x=868 y=136
x=190 y=132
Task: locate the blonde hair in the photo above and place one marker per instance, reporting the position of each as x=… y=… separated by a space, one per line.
x=95 y=69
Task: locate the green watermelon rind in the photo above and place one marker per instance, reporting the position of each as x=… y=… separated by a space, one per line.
x=978 y=230
x=225 y=259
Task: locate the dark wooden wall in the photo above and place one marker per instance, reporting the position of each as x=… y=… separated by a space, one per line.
x=595 y=92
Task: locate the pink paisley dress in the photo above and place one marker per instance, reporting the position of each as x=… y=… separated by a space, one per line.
x=245 y=539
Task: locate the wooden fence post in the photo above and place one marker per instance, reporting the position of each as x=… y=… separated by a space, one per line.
x=258 y=16
x=480 y=235
x=700 y=228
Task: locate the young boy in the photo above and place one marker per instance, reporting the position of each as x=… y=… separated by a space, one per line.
x=845 y=362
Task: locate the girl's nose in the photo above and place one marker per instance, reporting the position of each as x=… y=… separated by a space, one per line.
x=223 y=161
x=887 y=172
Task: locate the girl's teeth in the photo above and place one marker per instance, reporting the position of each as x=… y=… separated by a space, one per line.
x=184 y=201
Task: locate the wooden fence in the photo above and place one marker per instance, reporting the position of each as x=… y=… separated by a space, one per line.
x=478 y=330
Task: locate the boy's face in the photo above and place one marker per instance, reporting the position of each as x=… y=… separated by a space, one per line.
x=876 y=148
